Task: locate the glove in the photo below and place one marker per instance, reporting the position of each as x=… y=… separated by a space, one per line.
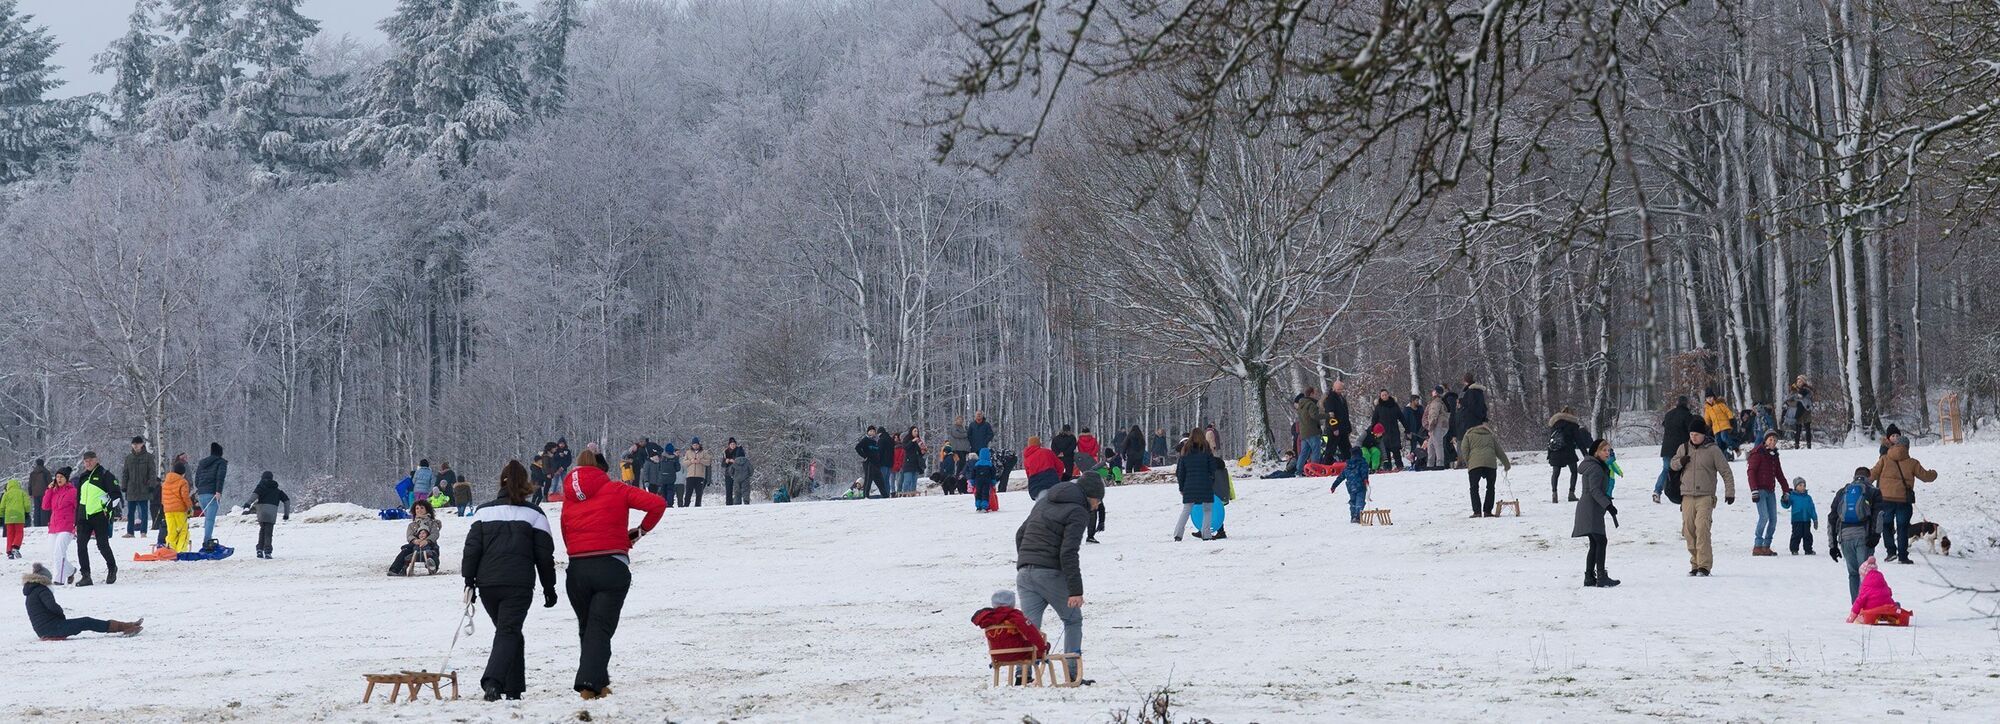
x=1731 y=500
x=471 y=593
x=548 y=598
x=1612 y=509
x=287 y=516
x=635 y=534
x=1833 y=551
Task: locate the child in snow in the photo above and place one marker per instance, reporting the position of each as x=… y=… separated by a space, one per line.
x=1805 y=517
x=47 y=618
x=14 y=505
x=1876 y=599
x=176 y=500
x=420 y=536
x=266 y=499
x=404 y=489
x=1356 y=477
x=1371 y=447
x=1112 y=474
x=1008 y=629
x=1420 y=455
x=983 y=475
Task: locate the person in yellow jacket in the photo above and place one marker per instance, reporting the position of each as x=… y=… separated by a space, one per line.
x=14 y=510
x=1721 y=421
x=176 y=500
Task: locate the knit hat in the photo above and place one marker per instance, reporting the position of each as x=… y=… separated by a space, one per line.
x=38 y=574
x=1002 y=598
x=695 y=441
x=215 y=449
x=1093 y=486
x=1893 y=430
x=1798 y=483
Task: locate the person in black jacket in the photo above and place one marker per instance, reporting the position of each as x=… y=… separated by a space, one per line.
x=95 y=525
x=1390 y=416
x=1674 y=429
x=1133 y=452
x=1197 y=476
x=1471 y=405
x=508 y=549
x=1048 y=546
x=1340 y=441
x=1064 y=446
x=47 y=617
x=209 y=476
x=266 y=499
x=885 y=459
x=864 y=448
x=1568 y=444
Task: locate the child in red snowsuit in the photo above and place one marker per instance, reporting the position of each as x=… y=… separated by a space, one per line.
x=1022 y=635
x=1875 y=598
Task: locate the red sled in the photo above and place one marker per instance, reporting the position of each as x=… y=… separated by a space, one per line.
x=993 y=500
x=1885 y=615
x=1316 y=470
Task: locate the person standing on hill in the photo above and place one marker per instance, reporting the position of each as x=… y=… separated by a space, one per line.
x=1311 y=420
x=14 y=506
x=1340 y=437
x=1437 y=426
x=266 y=500
x=737 y=477
x=961 y=441
x=1454 y=435
x=979 y=435
x=1674 y=429
x=1134 y=450
x=508 y=549
x=38 y=486
x=176 y=500
x=1590 y=511
x=1471 y=404
x=1767 y=479
x=1197 y=476
x=1048 y=548
x=59 y=503
x=871 y=474
x=1483 y=458
x=1413 y=428
x=1064 y=446
x=596 y=514
x=696 y=461
x=209 y=477
x=886 y=448
x=1700 y=462
x=1798 y=412
x=97 y=496
x=1566 y=439
x=1389 y=415
x=1897 y=474
x=142 y=483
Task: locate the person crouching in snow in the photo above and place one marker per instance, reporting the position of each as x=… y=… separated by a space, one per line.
x=266 y=500
x=1876 y=599
x=420 y=536
x=1007 y=629
x=1356 y=477
x=48 y=620
x=984 y=476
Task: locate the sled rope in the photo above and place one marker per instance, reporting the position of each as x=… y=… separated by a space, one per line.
x=464 y=628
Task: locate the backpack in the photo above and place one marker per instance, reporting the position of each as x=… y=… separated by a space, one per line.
x=1674 y=486
x=1557 y=440
x=1854 y=507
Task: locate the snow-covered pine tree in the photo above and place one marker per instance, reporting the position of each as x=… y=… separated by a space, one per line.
x=130 y=60
x=453 y=81
x=548 y=71
x=268 y=112
x=32 y=128
x=192 y=72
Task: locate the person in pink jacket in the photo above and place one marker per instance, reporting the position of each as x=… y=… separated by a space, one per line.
x=60 y=502
x=1876 y=599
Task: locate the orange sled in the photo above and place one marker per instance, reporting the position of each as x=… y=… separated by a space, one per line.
x=1889 y=615
x=1316 y=470
x=161 y=553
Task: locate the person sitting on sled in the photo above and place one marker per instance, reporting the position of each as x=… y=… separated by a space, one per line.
x=47 y=617
x=420 y=536
x=1371 y=447
x=1007 y=628
x=1876 y=599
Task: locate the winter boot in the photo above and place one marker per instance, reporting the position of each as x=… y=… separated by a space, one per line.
x=123 y=628
x=110 y=572
x=1604 y=580
x=84 y=582
x=1220 y=534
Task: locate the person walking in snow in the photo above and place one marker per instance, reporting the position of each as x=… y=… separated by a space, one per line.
x=209 y=476
x=1767 y=479
x=1043 y=466
x=142 y=484
x=1355 y=476
x=51 y=623
x=1591 y=508
x=1674 y=429
x=1897 y=475
x=1048 y=551
x=596 y=514
x=1700 y=462
x=14 y=509
x=1566 y=440
x=38 y=486
x=1196 y=475
x=1850 y=524
x=696 y=461
x=508 y=549
x=97 y=496
x=267 y=500
x=1483 y=459
x=59 y=504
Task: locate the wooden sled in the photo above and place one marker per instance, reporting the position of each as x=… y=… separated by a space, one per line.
x=1052 y=670
x=415 y=680
x=909 y=494
x=1502 y=506
x=1377 y=516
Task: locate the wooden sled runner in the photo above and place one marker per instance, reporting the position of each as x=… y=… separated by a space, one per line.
x=1377 y=516
x=415 y=680
x=1502 y=506
x=1061 y=670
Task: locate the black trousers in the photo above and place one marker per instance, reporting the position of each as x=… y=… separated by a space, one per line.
x=1338 y=447
x=1801 y=430
x=1593 y=562
x=403 y=556
x=1802 y=533
x=99 y=527
x=692 y=491
x=1472 y=476
x=1096 y=520
x=1555 y=475
x=72 y=626
x=735 y=492
x=507 y=665
x=596 y=587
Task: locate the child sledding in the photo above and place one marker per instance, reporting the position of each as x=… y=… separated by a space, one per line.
x=420 y=541
x=1876 y=606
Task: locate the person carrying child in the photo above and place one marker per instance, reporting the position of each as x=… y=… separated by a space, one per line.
x=420 y=537
x=1875 y=600
x=1850 y=522
x=48 y=619
x=1007 y=630
x=1805 y=517
x=984 y=477
x=266 y=499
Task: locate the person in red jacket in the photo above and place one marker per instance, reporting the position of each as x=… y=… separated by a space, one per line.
x=1022 y=635
x=1767 y=477
x=1043 y=466
x=595 y=514
x=1086 y=443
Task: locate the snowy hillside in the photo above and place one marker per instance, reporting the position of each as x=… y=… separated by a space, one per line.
x=857 y=611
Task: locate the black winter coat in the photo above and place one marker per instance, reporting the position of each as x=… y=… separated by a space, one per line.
x=1674 y=429
x=885 y=450
x=1471 y=407
x=1336 y=407
x=979 y=435
x=1052 y=536
x=1064 y=446
x=913 y=457
x=864 y=448
x=509 y=545
x=1390 y=416
x=1574 y=448
x=1413 y=420
x=210 y=474
x=1198 y=473
x=43 y=613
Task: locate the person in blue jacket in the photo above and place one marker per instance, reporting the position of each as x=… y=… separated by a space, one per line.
x=1356 y=478
x=1805 y=517
x=404 y=488
x=984 y=476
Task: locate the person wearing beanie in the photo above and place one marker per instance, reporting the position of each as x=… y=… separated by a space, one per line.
x=1805 y=516
x=1890 y=437
x=48 y=619
x=508 y=550
x=1198 y=476
x=59 y=502
x=266 y=499
x=97 y=499
x=209 y=476
x=596 y=513
x=1009 y=631
x=1674 y=428
x=176 y=501
x=983 y=475
x=1767 y=481
x=1048 y=547
x=696 y=462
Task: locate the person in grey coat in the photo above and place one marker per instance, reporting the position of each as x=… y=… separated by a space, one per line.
x=737 y=478
x=1048 y=546
x=1590 y=509
x=266 y=499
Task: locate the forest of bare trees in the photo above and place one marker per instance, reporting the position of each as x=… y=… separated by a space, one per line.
x=786 y=221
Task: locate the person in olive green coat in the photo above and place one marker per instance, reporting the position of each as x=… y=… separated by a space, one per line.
x=1482 y=454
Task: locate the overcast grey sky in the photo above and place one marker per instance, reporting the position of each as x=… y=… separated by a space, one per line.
x=84 y=27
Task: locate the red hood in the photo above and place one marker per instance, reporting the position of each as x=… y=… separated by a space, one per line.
x=582 y=482
x=989 y=617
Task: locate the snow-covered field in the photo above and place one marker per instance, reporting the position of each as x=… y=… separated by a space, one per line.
x=857 y=611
